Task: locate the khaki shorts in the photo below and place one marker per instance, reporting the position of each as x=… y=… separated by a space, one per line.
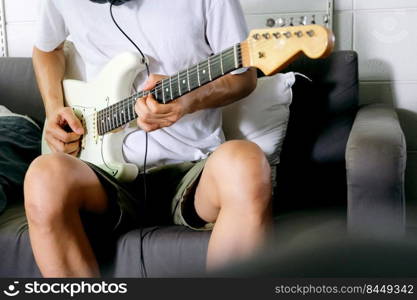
x=169 y=192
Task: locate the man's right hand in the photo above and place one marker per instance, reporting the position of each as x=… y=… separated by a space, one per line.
x=63 y=131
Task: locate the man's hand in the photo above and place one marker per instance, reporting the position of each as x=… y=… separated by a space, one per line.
x=151 y=114
x=63 y=132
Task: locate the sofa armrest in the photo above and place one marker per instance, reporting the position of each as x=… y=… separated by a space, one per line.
x=376 y=161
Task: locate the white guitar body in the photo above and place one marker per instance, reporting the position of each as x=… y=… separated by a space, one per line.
x=113 y=84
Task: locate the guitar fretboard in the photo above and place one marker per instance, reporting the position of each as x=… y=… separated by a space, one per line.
x=171 y=88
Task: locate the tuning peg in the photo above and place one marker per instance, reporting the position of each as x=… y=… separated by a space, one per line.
x=270 y=22
x=303 y=20
x=256 y=36
x=313 y=19
x=287 y=34
x=326 y=19
x=281 y=22
x=291 y=21
x=277 y=35
x=267 y=36
x=299 y=34
x=310 y=33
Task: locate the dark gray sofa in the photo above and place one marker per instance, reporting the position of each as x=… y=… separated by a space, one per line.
x=337 y=156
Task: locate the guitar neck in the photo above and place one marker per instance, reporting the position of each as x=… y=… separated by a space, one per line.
x=269 y=50
x=172 y=88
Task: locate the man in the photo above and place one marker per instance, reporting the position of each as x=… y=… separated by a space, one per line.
x=222 y=186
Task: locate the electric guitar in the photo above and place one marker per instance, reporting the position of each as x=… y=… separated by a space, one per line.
x=105 y=104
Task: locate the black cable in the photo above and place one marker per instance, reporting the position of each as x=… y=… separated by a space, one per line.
x=145 y=192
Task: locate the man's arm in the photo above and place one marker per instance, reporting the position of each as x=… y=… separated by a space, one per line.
x=49 y=70
x=221 y=92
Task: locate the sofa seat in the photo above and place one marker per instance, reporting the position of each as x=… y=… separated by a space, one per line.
x=169 y=251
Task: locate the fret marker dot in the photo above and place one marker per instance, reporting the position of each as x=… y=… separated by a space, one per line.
x=167 y=89
x=204 y=71
x=183 y=82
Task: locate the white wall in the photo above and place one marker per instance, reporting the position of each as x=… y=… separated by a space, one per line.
x=20 y=25
x=383 y=32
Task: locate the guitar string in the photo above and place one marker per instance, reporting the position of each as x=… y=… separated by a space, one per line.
x=174 y=83
x=227 y=54
x=116 y=116
x=111 y=110
x=183 y=76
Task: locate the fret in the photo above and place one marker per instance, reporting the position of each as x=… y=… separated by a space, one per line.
x=156 y=93
x=235 y=56
x=188 y=79
x=228 y=61
x=167 y=90
x=175 y=92
x=163 y=92
x=108 y=123
x=209 y=68
x=128 y=110
x=124 y=114
x=215 y=67
x=116 y=117
x=204 y=73
x=103 y=122
x=133 y=111
x=179 y=84
x=198 y=75
x=183 y=82
x=111 y=118
x=194 y=78
x=221 y=62
x=102 y=125
x=170 y=86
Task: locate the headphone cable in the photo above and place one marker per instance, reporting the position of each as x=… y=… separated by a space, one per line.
x=145 y=192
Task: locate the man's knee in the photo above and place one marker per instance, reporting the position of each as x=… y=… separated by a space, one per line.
x=244 y=158
x=47 y=181
x=245 y=166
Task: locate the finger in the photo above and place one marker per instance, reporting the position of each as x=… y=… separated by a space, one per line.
x=162 y=110
x=73 y=121
x=147 y=126
x=71 y=147
x=56 y=145
x=144 y=113
x=153 y=80
x=61 y=147
x=51 y=146
x=75 y=153
x=60 y=134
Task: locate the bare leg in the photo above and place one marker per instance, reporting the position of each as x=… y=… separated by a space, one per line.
x=235 y=192
x=56 y=187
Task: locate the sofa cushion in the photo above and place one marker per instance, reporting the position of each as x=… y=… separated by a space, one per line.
x=262 y=117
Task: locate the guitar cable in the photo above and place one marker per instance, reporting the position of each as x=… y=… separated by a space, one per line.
x=145 y=192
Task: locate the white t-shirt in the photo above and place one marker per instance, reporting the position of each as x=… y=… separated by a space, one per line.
x=173 y=34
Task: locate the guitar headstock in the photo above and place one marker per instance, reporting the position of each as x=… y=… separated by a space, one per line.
x=270 y=50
